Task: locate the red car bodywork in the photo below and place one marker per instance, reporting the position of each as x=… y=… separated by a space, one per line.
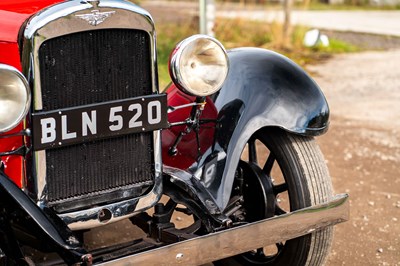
x=187 y=148
x=13 y=14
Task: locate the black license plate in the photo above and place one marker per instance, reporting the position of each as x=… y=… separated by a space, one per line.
x=74 y=125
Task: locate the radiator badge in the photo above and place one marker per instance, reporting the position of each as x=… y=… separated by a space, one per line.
x=96 y=17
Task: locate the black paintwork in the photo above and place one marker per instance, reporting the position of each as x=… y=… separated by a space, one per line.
x=262 y=89
x=48 y=230
x=276 y=90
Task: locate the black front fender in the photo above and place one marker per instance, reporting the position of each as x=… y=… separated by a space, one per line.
x=274 y=92
x=263 y=89
x=36 y=225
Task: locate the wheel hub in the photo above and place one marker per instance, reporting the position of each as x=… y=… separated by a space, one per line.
x=258 y=194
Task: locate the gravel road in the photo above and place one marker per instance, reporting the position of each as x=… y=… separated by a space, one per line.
x=362 y=149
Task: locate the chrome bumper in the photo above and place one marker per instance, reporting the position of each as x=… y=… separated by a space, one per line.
x=244 y=238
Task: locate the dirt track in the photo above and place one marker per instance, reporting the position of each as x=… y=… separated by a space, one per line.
x=363 y=153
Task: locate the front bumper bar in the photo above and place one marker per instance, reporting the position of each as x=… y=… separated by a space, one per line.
x=237 y=240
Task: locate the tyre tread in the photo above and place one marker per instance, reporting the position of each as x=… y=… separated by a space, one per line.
x=312 y=159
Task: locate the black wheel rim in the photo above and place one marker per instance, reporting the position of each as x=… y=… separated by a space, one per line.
x=253 y=197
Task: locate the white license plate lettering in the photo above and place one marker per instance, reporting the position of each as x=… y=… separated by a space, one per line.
x=154 y=112
x=116 y=120
x=89 y=123
x=65 y=133
x=48 y=130
x=136 y=108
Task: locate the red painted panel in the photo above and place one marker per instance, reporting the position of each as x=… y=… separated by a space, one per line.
x=12 y=16
x=187 y=148
x=26 y=6
x=10 y=24
x=14 y=13
x=9 y=54
x=13 y=164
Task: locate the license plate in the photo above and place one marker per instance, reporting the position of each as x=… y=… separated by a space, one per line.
x=98 y=121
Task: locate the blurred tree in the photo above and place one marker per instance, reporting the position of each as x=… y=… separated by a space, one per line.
x=287 y=8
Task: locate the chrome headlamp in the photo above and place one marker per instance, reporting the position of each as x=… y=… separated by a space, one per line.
x=15 y=97
x=199 y=65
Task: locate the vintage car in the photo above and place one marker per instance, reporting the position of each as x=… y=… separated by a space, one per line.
x=87 y=138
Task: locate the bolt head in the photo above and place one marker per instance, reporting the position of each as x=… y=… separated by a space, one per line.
x=179 y=256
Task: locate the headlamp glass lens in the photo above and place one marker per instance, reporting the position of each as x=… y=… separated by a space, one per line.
x=200 y=65
x=14 y=98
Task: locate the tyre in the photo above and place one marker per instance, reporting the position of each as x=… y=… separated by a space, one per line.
x=281 y=172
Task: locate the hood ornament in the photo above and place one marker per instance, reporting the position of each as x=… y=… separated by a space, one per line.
x=96 y=17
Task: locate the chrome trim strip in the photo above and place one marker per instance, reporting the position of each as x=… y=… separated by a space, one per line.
x=40 y=167
x=244 y=238
x=62 y=19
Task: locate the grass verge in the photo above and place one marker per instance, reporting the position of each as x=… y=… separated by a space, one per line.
x=243 y=33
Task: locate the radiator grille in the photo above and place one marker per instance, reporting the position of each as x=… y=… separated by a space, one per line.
x=94 y=67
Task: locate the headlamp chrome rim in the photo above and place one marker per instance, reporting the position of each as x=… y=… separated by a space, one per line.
x=14 y=75
x=178 y=76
